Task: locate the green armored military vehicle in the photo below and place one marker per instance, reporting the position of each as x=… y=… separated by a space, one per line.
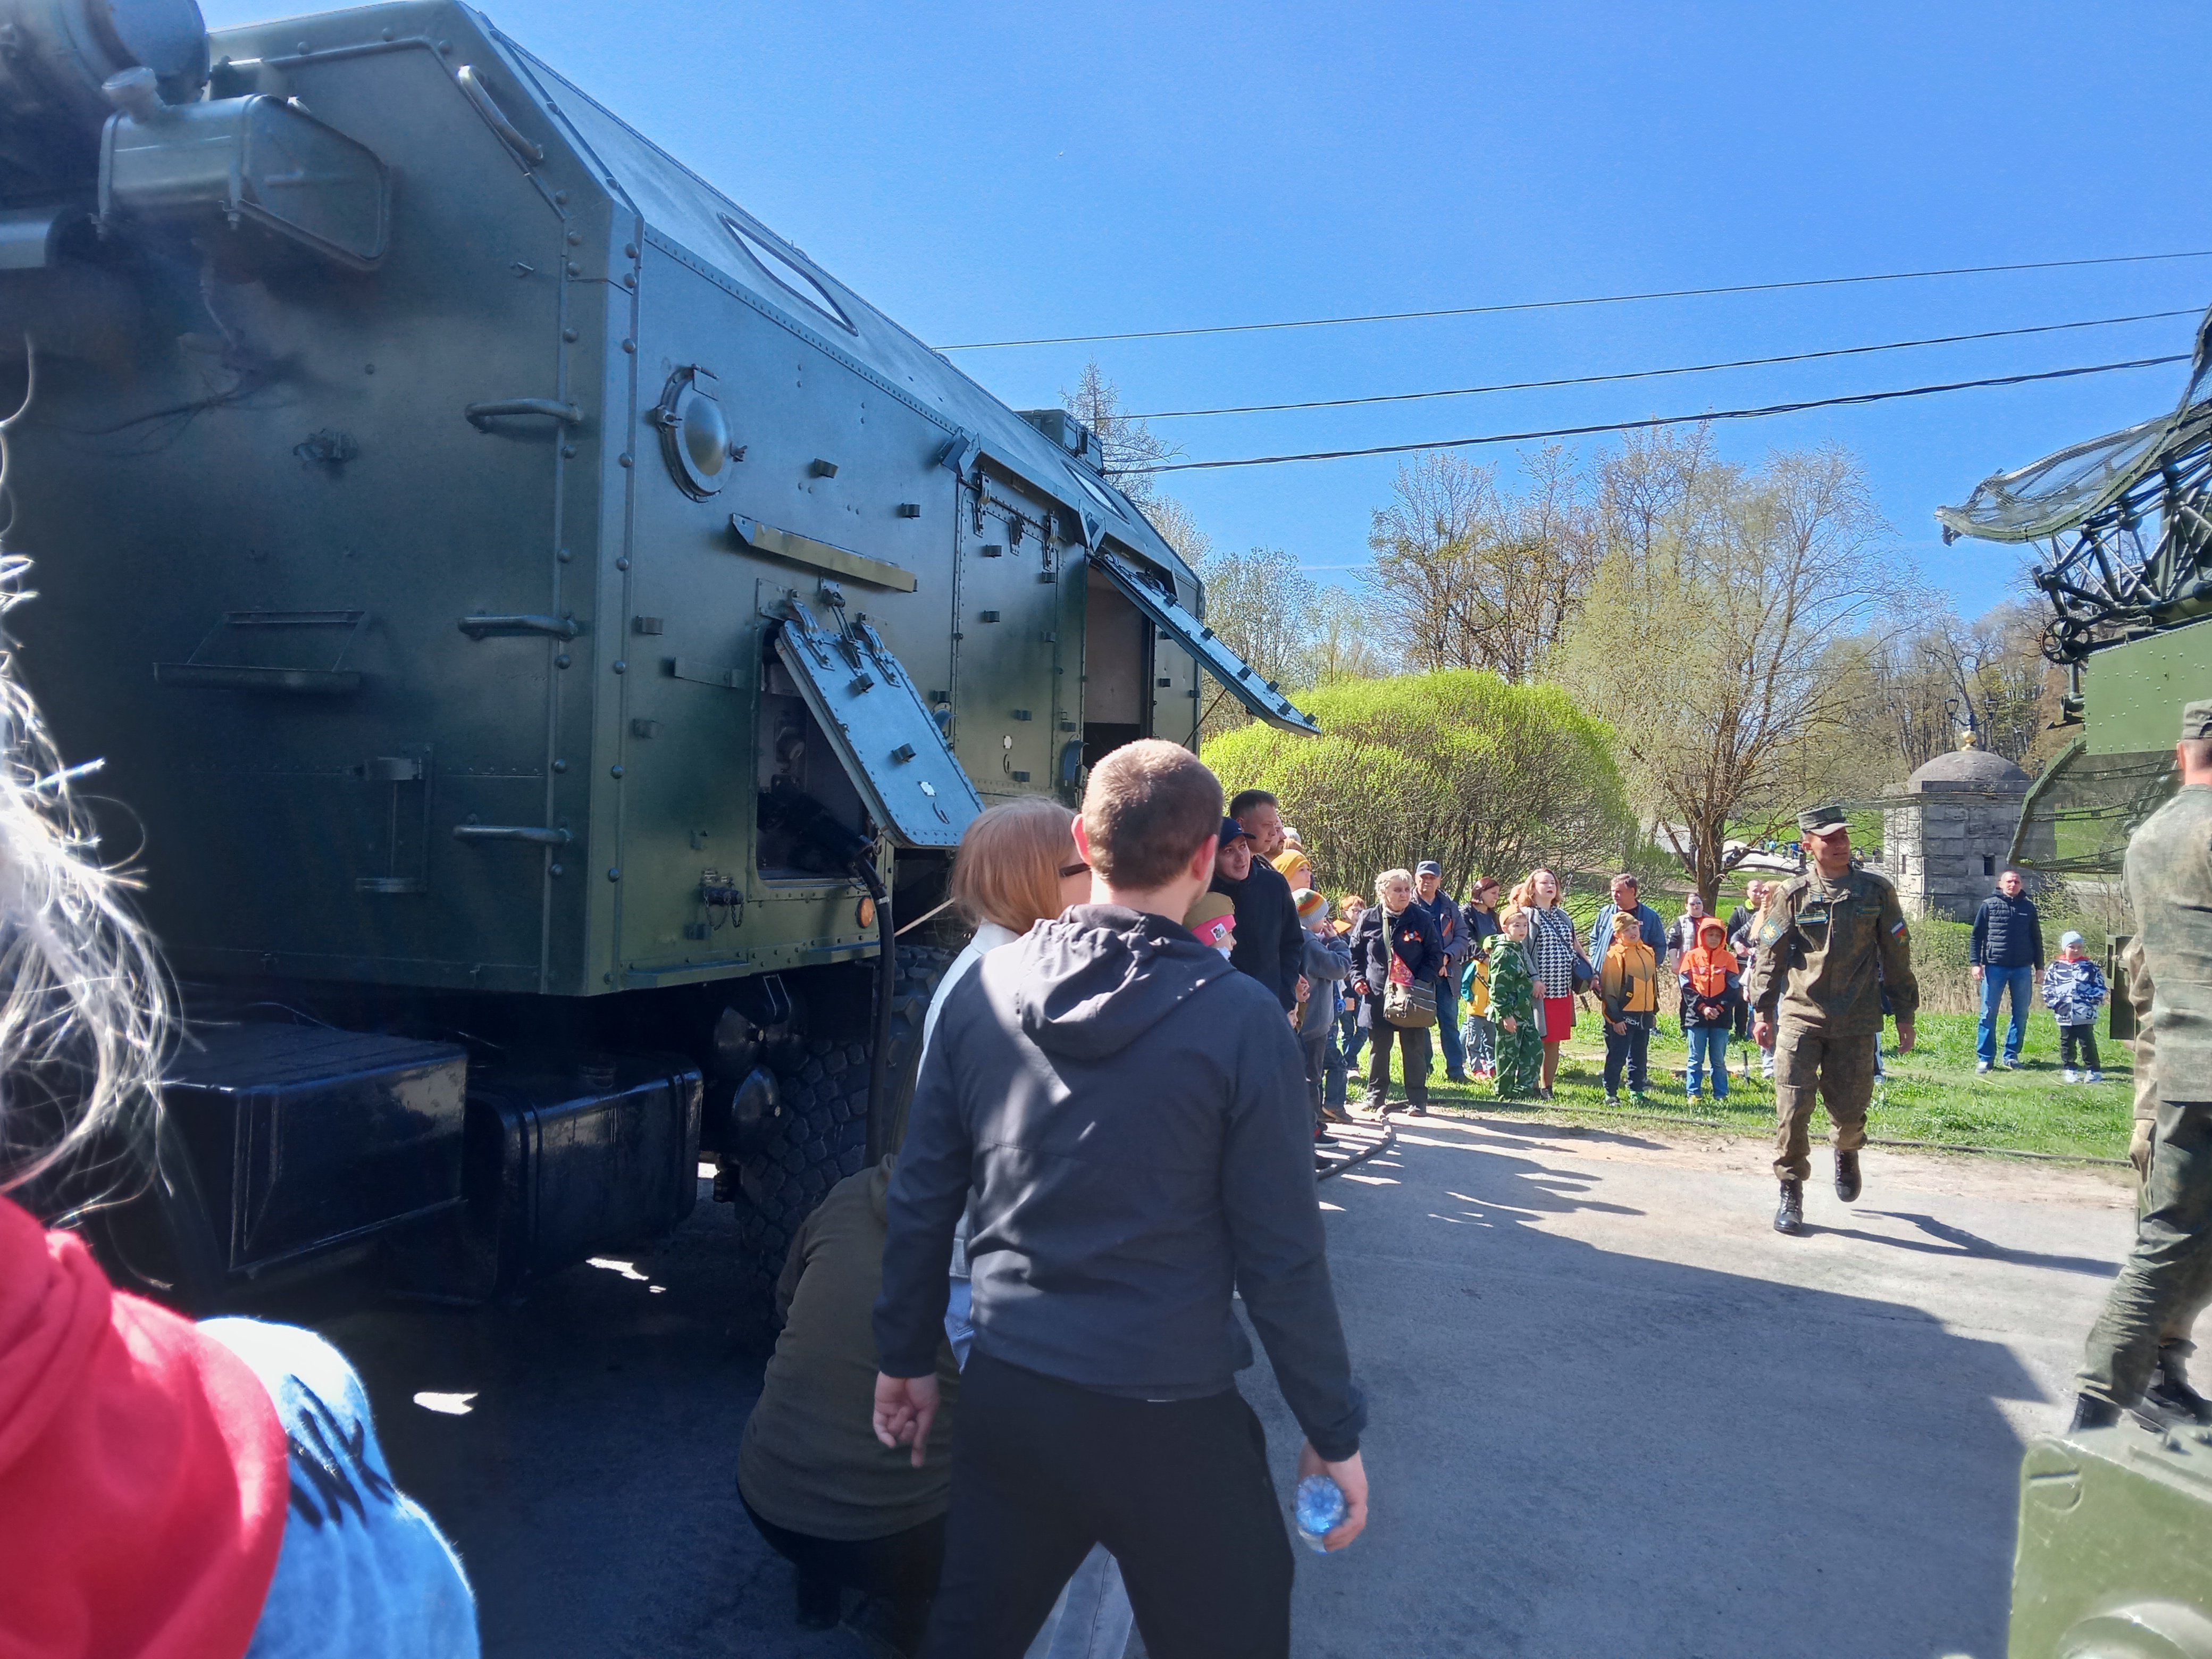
x=2111 y=1560
x=544 y=633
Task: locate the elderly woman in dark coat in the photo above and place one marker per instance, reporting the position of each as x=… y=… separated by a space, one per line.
x=1395 y=929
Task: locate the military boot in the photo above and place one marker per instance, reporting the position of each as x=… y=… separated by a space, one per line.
x=1789 y=1214
x=2170 y=1396
x=2091 y=1412
x=1847 y=1176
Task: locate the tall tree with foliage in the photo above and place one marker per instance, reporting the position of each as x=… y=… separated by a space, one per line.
x=1714 y=639
x=1457 y=766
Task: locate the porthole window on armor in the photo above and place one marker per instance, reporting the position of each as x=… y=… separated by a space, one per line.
x=694 y=433
x=788 y=274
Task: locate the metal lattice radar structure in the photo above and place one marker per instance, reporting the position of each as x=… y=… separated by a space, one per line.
x=2125 y=525
x=535 y=619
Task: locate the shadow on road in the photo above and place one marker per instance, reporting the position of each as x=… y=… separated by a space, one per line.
x=1957 y=1240
x=1576 y=1449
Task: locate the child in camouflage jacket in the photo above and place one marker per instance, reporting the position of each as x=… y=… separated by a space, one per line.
x=1519 y=1044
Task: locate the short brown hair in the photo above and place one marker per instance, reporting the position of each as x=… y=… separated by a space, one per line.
x=1148 y=806
x=1007 y=869
x=1245 y=799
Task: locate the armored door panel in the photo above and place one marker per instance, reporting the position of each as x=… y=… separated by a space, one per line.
x=290 y=440
x=822 y=478
x=1007 y=638
x=891 y=747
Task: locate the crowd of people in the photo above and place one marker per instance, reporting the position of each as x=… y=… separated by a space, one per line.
x=1001 y=1419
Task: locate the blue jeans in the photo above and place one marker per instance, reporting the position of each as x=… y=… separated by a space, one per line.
x=1350 y=1038
x=1479 y=1038
x=1994 y=982
x=1448 y=1025
x=1708 y=1046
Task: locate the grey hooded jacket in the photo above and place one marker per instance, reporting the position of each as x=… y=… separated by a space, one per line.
x=1130 y=1112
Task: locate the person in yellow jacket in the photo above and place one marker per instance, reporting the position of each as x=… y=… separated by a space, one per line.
x=1628 y=982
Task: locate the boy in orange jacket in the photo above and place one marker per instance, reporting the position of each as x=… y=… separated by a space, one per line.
x=1712 y=990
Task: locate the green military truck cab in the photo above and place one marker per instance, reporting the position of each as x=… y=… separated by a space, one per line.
x=533 y=619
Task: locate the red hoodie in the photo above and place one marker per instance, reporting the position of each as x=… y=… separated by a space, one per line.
x=143 y=1469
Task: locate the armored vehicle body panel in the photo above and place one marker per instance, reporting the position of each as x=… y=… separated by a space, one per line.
x=423 y=605
x=521 y=602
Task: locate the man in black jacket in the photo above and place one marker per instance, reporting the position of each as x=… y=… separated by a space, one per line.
x=1271 y=946
x=1130 y=1113
x=2008 y=958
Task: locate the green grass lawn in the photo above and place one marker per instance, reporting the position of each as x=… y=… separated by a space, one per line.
x=1933 y=1094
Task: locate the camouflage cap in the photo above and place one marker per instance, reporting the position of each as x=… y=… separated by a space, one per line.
x=2197 y=720
x=1821 y=820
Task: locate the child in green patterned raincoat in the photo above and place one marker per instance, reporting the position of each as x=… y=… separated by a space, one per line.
x=1520 y=1046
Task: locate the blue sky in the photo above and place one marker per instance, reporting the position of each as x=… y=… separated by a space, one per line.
x=985 y=170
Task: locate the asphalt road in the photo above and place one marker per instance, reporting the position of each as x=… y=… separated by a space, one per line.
x=1612 y=1412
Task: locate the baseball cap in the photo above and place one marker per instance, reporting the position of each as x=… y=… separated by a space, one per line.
x=1822 y=820
x=2197 y=720
x=1428 y=867
x=1232 y=830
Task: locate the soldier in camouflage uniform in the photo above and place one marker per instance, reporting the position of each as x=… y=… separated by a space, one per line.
x=2138 y=1350
x=1829 y=943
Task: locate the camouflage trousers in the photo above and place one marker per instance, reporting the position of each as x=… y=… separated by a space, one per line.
x=1837 y=1070
x=2166 y=1280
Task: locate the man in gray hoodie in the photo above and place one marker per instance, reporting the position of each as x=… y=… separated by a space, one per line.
x=1128 y=1112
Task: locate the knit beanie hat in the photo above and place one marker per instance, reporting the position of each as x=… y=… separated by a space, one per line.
x=1289 y=858
x=1311 y=904
x=1213 y=918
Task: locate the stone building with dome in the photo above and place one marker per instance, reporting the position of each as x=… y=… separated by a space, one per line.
x=1946 y=850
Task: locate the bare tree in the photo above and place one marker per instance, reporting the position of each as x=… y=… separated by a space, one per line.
x=1710 y=640
x=1467 y=577
x=1343 y=645
x=1931 y=675
x=1125 y=443
x=1263 y=606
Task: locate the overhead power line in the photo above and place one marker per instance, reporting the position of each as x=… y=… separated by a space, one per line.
x=1658 y=420
x=1592 y=300
x=1656 y=374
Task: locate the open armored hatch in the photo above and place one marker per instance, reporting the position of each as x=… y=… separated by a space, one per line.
x=892 y=749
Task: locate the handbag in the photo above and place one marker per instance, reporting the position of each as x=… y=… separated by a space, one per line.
x=1406 y=1004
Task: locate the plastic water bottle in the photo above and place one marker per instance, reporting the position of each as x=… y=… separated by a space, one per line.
x=1320 y=1508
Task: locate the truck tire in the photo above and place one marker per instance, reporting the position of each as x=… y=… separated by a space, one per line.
x=820 y=1132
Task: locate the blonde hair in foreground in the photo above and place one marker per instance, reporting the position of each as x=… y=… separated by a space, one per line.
x=84 y=1007
x=1007 y=869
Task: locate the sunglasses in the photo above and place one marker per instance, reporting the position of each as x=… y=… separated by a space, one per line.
x=1067 y=870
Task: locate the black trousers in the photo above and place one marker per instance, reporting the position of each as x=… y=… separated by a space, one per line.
x=902 y=1567
x=1626 y=1049
x=1412 y=1042
x=1177 y=1489
x=2081 y=1037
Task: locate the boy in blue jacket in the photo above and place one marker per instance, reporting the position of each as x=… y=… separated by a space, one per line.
x=2073 y=989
